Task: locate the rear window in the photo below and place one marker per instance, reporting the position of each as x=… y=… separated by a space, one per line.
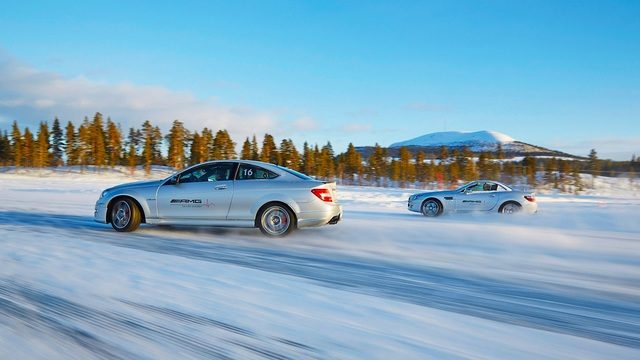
x=296 y=173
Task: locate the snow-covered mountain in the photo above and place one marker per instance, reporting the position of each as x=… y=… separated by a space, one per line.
x=476 y=141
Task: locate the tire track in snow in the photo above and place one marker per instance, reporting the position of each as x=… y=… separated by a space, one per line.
x=606 y=317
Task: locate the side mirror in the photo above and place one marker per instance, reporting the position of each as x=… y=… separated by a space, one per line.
x=468 y=191
x=174 y=180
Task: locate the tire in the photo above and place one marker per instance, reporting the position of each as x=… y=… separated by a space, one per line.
x=276 y=220
x=510 y=208
x=431 y=208
x=125 y=215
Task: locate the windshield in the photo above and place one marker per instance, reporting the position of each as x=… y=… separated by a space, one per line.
x=465 y=185
x=295 y=173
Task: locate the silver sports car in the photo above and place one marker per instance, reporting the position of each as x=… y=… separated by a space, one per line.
x=481 y=195
x=233 y=193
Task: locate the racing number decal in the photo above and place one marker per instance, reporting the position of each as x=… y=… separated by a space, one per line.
x=247 y=172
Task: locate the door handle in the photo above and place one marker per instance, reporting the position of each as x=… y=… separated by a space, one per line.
x=492 y=195
x=220 y=187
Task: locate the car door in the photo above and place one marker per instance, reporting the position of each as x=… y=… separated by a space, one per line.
x=470 y=198
x=481 y=196
x=201 y=193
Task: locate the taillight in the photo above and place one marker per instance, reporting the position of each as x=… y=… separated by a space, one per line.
x=323 y=194
x=530 y=198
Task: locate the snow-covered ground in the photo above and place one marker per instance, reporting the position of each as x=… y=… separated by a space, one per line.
x=384 y=283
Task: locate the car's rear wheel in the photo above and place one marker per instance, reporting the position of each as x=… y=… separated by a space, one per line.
x=125 y=215
x=431 y=208
x=510 y=208
x=276 y=220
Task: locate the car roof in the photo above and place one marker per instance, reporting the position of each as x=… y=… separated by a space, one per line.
x=272 y=167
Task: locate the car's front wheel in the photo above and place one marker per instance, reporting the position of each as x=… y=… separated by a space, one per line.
x=431 y=208
x=125 y=215
x=276 y=220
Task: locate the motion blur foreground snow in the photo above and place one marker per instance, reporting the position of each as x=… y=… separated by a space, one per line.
x=384 y=283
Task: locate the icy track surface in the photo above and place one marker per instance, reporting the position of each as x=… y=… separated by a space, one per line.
x=382 y=284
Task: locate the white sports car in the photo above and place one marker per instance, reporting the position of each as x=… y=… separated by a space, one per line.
x=234 y=193
x=481 y=195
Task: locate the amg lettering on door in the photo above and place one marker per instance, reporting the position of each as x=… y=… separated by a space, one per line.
x=186 y=201
x=192 y=203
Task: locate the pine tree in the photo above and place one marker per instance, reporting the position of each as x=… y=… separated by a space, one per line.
x=470 y=170
x=308 y=160
x=444 y=153
x=71 y=144
x=407 y=171
x=551 y=168
x=577 y=180
x=114 y=143
x=255 y=152
x=326 y=160
x=152 y=137
x=85 y=144
x=57 y=143
x=269 y=152
x=421 y=174
x=431 y=170
x=245 y=154
x=206 y=148
x=509 y=171
x=530 y=169
x=157 y=146
x=132 y=144
x=594 y=165
x=319 y=168
x=378 y=164
x=16 y=145
x=194 y=151
x=352 y=163
x=289 y=155
x=27 y=148
x=177 y=138
x=5 y=149
x=499 y=152
x=454 y=172
x=41 y=149
x=483 y=165
x=223 y=147
x=98 y=150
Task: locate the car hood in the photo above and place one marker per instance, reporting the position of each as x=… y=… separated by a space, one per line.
x=137 y=184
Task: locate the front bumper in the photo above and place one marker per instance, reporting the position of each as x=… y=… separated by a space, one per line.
x=414 y=205
x=100 y=212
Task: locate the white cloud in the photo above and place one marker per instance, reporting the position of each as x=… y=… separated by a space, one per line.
x=356 y=128
x=305 y=123
x=30 y=96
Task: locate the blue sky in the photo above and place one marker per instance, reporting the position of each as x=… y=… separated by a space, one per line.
x=562 y=74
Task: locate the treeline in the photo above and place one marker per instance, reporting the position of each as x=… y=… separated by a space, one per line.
x=103 y=144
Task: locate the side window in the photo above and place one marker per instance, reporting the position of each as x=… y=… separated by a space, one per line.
x=488 y=186
x=208 y=173
x=252 y=172
x=475 y=188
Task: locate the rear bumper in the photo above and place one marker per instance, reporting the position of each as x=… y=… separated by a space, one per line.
x=529 y=207
x=330 y=214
